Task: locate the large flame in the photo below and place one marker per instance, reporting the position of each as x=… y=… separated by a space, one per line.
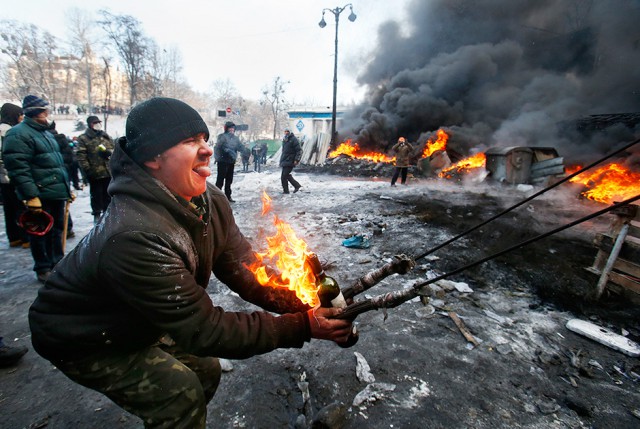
x=354 y=151
x=288 y=254
x=476 y=161
x=610 y=183
x=439 y=144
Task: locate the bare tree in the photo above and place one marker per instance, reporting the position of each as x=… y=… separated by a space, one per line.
x=258 y=117
x=106 y=76
x=165 y=65
x=80 y=29
x=132 y=46
x=31 y=53
x=273 y=96
x=225 y=94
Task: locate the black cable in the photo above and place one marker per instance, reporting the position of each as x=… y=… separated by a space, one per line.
x=526 y=200
x=529 y=241
x=359 y=307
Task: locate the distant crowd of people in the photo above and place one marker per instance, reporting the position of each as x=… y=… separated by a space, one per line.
x=63 y=109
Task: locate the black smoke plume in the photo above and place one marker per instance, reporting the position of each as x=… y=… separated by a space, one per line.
x=503 y=73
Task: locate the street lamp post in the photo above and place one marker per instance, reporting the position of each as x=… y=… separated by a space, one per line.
x=352 y=17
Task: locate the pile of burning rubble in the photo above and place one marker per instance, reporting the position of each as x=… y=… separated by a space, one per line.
x=610 y=182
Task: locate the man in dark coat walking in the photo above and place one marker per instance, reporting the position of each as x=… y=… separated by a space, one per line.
x=126 y=312
x=289 y=158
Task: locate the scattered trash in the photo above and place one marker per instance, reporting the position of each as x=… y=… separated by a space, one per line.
x=594 y=363
x=604 y=336
x=363 y=370
x=449 y=285
x=357 y=242
x=463 y=329
x=425 y=311
x=226 y=365
x=372 y=393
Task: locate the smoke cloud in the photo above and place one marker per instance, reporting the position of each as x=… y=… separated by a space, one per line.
x=502 y=73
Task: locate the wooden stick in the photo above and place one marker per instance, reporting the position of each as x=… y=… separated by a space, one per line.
x=463 y=328
x=66 y=225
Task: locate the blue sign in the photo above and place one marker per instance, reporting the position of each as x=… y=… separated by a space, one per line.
x=300 y=125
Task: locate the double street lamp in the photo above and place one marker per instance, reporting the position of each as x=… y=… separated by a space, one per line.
x=352 y=17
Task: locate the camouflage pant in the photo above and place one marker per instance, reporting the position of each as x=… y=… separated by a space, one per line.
x=165 y=387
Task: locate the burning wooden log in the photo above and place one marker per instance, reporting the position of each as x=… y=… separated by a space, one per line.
x=401 y=264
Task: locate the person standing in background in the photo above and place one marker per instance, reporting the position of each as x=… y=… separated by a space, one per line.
x=246 y=155
x=290 y=157
x=225 y=154
x=67 y=156
x=94 y=150
x=35 y=165
x=11 y=115
x=256 y=152
x=402 y=150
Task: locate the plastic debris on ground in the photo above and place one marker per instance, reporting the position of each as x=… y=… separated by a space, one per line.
x=357 y=242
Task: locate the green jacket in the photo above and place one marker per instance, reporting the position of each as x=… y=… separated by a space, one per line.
x=142 y=272
x=33 y=160
x=93 y=161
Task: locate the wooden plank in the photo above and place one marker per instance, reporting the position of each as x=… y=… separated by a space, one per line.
x=634 y=231
x=630 y=250
x=627 y=267
x=624 y=281
x=604 y=336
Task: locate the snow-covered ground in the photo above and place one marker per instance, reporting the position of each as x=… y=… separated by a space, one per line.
x=528 y=371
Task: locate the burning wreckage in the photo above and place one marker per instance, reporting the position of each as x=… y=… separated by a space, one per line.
x=612 y=186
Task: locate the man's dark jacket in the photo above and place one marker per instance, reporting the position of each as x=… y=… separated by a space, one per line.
x=142 y=272
x=33 y=160
x=227 y=147
x=291 y=151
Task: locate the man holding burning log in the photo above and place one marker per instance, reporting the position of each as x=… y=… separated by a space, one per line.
x=126 y=313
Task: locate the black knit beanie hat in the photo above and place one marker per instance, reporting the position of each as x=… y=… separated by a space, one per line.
x=158 y=124
x=32 y=105
x=10 y=113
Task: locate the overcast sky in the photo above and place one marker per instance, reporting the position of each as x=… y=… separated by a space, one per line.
x=248 y=41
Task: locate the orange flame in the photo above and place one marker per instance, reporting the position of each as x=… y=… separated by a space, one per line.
x=288 y=254
x=354 y=151
x=266 y=203
x=610 y=183
x=476 y=161
x=434 y=146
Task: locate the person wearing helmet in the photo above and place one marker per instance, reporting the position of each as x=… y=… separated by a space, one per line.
x=403 y=151
x=290 y=157
x=225 y=154
x=36 y=168
x=127 y=313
